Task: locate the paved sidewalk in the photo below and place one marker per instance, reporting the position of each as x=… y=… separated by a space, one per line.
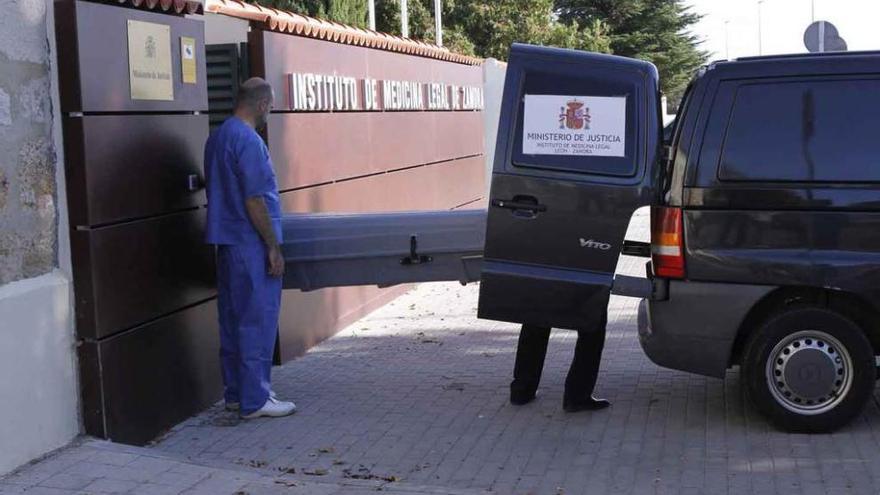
x=413 y=399
x=418 y=391
x=97 y=467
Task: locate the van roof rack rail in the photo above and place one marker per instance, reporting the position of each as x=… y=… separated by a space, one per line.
x=810 y=55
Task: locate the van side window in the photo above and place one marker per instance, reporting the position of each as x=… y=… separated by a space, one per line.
x=807 y=131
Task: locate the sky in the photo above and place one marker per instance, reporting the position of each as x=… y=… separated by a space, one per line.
x=782 y=25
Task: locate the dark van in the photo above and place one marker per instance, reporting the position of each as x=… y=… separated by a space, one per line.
x=765 y=220
x=765 y=212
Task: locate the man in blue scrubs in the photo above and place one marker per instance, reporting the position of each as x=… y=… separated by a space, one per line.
x=244 y=222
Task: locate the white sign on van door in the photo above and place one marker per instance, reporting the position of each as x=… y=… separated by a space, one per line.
x=574 y=125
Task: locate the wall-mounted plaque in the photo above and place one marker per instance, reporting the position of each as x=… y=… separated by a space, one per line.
x=188 y=59
x=149 y=61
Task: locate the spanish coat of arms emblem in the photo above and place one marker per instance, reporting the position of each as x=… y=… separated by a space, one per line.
x=574 y=116
x=150 y=47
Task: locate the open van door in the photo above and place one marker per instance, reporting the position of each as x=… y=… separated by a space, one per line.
x=577 y=154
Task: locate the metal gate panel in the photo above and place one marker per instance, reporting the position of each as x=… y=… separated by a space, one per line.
x=125 y=167
x=143 y=278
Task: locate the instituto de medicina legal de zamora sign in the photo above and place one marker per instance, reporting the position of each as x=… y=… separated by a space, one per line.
x=328 y=93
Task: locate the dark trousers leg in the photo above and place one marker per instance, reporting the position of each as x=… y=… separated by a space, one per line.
x=530 y=353
x=585 y=365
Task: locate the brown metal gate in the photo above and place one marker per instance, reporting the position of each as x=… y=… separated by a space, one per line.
x=143 y=279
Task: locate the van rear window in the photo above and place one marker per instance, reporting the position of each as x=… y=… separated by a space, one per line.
x=586 y=125
x=806 y=131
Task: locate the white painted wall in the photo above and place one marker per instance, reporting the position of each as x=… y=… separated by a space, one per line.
x=664 y=109
x=221 y=29
x=38 y=412
x=493 y=90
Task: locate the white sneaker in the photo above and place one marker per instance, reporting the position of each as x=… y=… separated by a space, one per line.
x=235 y=406
x=273 y=408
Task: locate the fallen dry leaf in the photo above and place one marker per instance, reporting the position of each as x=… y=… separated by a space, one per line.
x=365 y=474
x=252 y=463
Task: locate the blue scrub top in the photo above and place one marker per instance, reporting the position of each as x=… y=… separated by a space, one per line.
x=237 y=167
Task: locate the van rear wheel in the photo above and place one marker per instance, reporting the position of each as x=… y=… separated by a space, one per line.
x=809 y=369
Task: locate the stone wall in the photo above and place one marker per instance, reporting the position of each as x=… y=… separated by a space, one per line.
x=39 y=410
x=28 y=214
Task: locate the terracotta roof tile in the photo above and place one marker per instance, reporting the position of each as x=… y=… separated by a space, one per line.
x=300 y=25
x=170 y=6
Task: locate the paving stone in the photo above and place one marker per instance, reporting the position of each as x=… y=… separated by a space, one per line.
x=154 y=489
x=114 y=458
x=68 y=481
x=11 y=488
x=42 y=490
x=110 y=486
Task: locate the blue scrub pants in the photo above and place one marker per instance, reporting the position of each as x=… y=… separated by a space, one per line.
x=248 y=303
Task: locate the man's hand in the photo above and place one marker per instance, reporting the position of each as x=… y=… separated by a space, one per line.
x=276 y=261
x=259 y=215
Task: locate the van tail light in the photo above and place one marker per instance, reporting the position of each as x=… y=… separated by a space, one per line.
x=667 y=242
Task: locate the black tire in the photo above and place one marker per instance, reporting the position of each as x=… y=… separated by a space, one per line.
x=801 y=329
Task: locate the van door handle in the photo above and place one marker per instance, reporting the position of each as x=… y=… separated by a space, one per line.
x=513 y=204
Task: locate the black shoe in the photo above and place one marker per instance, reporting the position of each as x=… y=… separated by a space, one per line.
x=590 y=404
x=521 y=399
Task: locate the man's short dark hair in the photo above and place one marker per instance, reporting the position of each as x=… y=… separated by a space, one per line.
x=253 y=91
